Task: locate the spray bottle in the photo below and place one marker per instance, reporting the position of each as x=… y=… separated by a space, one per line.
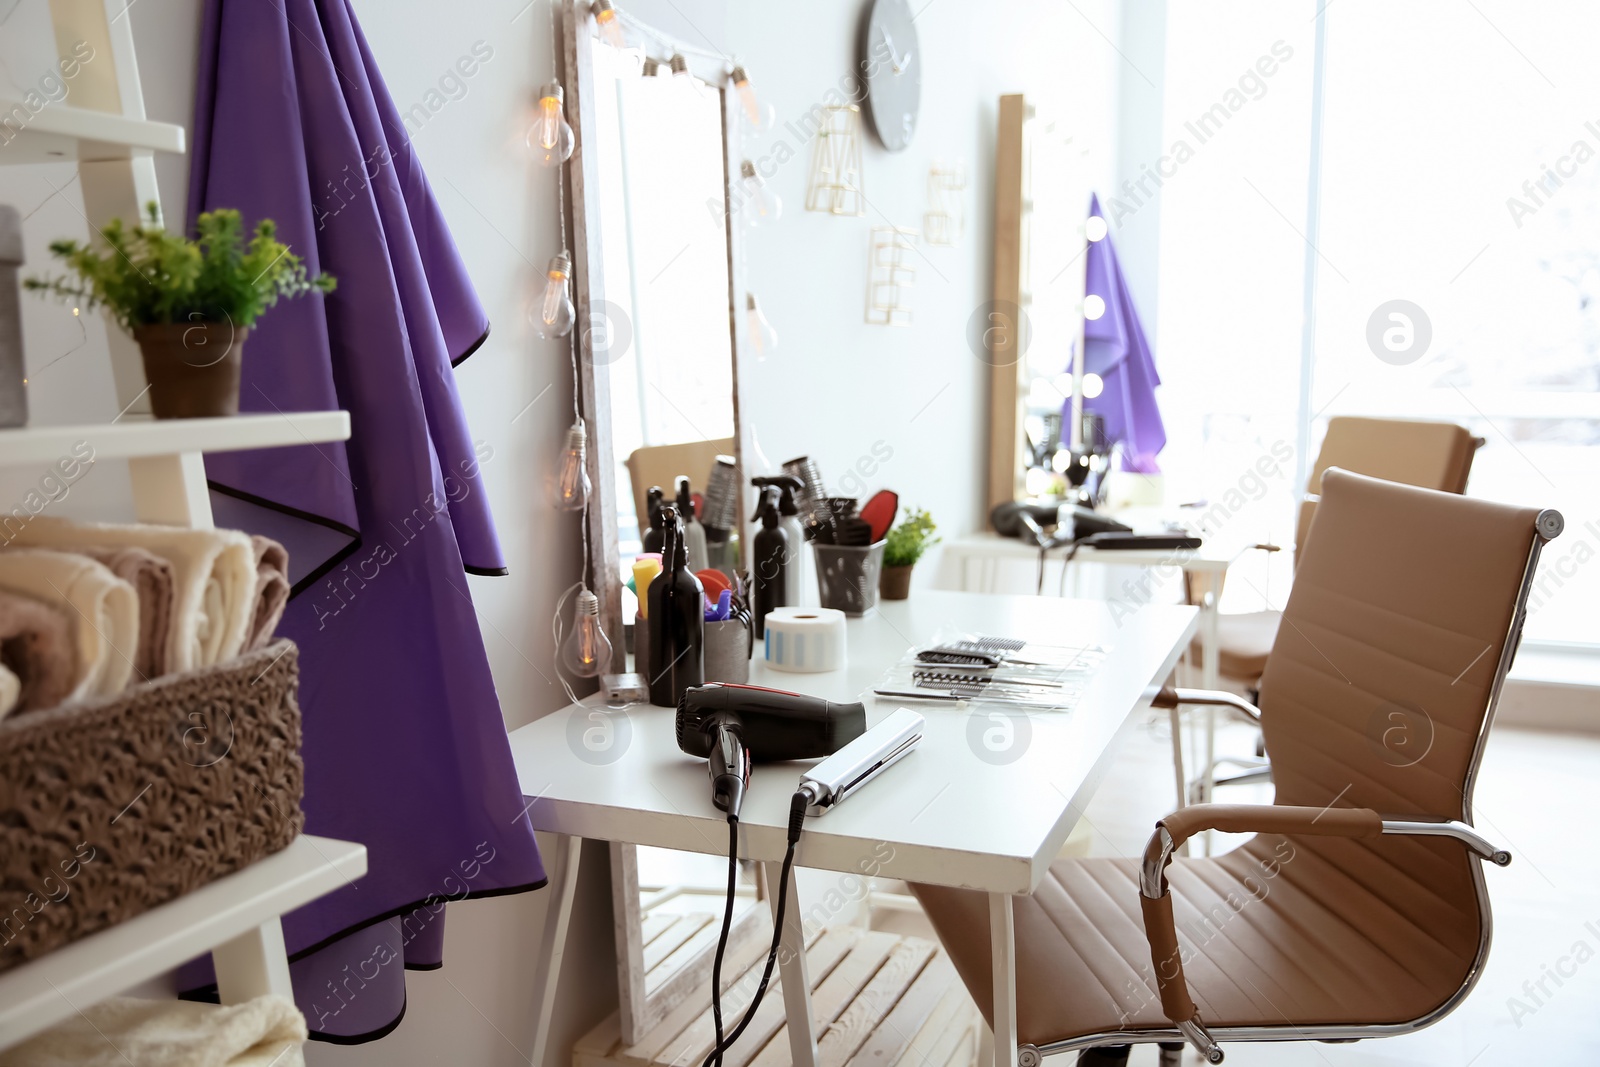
x=771 y=563
x=652 y=530
x=694 y=535
x=676 y=620
x=789 y=519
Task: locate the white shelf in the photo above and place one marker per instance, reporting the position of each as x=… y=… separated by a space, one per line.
x=161 y=437
x=41 y=993
x=58 y=133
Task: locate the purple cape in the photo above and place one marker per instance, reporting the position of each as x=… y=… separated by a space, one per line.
x=404 y=744
x=1114 y=347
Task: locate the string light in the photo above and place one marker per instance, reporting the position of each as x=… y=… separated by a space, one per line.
x=551 y=136
x=610 y=25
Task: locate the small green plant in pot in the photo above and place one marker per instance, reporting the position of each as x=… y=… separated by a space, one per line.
x=902 y=548
x=189 y=304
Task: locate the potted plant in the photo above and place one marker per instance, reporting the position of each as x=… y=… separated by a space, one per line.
x=904 y=546
x=189 y=304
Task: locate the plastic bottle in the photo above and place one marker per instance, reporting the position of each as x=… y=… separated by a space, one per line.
x=693 y=533
x=652 y=531
x=789 y=510
x=676 y=620
x=771 y=561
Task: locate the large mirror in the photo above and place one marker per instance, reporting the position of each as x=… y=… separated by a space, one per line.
x=657 y=281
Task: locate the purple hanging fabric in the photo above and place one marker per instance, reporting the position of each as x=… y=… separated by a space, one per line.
x=405 y=748
x=1114 y=347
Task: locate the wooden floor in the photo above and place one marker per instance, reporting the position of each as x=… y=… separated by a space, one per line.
x=879 y=999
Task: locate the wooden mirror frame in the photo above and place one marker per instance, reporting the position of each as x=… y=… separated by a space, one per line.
x=593 y=385
x=639 y=1008
x=1012 y=296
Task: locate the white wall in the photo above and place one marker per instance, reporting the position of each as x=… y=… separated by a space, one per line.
x=834 y=389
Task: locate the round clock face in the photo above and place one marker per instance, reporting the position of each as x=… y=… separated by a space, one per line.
x=893 y=65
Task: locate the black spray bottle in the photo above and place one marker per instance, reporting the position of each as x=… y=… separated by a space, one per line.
x=677 y=620
x=694 y=535
x=652 y=533
x=771 y=559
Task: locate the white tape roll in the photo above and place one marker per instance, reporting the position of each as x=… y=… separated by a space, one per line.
x=805 y=640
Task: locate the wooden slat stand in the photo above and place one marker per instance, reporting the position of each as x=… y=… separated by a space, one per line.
x=879 y=1000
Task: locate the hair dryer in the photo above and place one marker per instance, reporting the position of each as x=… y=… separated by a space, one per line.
x=732 y=726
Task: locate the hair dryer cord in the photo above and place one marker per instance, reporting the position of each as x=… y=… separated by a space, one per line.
x=797 y=816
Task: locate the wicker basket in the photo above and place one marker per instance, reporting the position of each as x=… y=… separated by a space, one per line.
x=109 y=809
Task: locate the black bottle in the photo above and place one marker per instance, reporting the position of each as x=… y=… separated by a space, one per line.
x=677 y=621
x=652 y=533
x=771 y=559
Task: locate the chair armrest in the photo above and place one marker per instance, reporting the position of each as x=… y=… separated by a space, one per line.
x=1155 y=897
x=1168 y=696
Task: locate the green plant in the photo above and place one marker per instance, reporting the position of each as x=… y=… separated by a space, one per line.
x=147 y=276
x=908 y=541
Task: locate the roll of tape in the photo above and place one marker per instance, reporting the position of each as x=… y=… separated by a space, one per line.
x=805 y=640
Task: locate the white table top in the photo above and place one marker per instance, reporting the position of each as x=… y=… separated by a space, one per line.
x=1212 y=556
x=42 y=992
x=950 y=813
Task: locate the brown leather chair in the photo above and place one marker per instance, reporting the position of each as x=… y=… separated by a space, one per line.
x=1431 y=455
x=1334 y=922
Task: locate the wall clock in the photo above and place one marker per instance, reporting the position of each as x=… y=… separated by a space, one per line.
x=892 y=63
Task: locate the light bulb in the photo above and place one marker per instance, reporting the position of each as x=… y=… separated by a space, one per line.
x=556 y=313
x=759 y=116
x=550 y=136
x=763 y=338
x=651 y=67
x=1094 y=228
x=610 y=23
x=570 y=491
x=1093 y=307
x=758 y=204
x=1093 y=385
x=586 y=653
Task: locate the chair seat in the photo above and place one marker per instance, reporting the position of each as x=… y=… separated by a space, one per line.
x=1244 y=640
x=1274 y=934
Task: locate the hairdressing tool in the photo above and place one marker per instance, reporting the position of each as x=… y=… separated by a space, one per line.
x=931 y=679
x=880 y=512
x=958 y=657
x=853 y=766
x=1127 y=542
x=722 y=610
x=728 y=720
x=713 y=582
x=720 y=509
x=808 y=497
x=733 y=726
x=920 y=694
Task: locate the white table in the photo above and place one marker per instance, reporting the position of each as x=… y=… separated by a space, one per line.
x=954 y=812
x=235 y=918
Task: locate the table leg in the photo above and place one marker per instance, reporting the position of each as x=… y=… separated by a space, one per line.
x=253 y=964
x=553 y=946
x=1003 y=953
x=1210 y=678
x=792 y=969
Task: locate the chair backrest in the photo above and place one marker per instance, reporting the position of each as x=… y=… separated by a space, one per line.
x=662 y=464
x=1390 y=652
x=1378 y=693
x=1431 y=455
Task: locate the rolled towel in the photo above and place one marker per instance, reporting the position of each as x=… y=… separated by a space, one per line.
x=38 y=645
x=214 y=580
x=102 y=608
x=151 y=578
x=272 y=590
x=10 y=691
x=129 y=1032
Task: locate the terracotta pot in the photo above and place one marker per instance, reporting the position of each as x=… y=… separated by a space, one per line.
x=895 y=582
x=192 y=368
